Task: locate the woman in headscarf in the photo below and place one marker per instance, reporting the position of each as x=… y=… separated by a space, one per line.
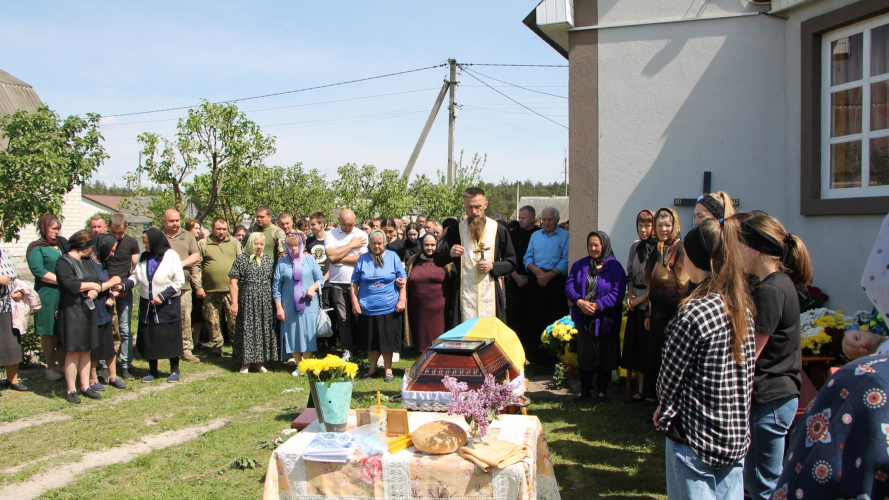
x=668 y=284
x=76 y=325
x=596 y=287
x=160 y=277
x=412 y=241
x=428 y=296
x=635 y=335
x=103 y=248
x=296 y=289
x=256 y=341
x=42 y=256
x=378 y=302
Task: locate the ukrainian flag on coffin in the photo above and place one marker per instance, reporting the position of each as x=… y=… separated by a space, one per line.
x=490 y=328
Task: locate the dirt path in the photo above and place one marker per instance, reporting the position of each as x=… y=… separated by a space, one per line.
x=45 y=418
x=65 y=474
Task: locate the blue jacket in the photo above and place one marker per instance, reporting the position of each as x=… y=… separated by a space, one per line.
x=611 y=287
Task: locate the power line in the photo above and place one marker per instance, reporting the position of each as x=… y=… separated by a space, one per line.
x=513 y=100
x=513 y=126
x=519 y=86
x=285 y=92
x=518 y=65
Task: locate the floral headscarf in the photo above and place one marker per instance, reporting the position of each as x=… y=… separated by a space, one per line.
x=666 y=248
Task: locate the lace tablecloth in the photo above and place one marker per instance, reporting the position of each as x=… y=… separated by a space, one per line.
x=410 y=474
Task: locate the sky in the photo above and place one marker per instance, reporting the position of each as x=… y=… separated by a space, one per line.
x=115 y=58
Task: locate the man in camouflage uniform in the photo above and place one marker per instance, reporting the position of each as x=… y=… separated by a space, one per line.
x=212 y=283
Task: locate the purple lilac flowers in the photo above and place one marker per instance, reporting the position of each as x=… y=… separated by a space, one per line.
x=482 y=404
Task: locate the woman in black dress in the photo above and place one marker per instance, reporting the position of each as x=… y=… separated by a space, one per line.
x=76 y=324
x=10 y=341
x=636 y=336
x=103 y=249
x=160 y=277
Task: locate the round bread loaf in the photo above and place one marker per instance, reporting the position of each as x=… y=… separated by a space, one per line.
x=439 y=437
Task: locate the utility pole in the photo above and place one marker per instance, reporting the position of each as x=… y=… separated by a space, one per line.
x=425 y=132
x=566 y=172
x=452 y=115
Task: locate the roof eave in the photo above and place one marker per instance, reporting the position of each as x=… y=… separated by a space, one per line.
x=531 y=22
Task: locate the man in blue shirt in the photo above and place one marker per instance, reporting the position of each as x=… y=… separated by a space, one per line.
x=547 y=263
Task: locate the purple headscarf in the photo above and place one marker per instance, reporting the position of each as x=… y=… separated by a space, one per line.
x=299 y=293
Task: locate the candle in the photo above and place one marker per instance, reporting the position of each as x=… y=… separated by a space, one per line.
x=378 y=401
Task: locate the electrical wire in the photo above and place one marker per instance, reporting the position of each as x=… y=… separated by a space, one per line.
x=513 y=126
x=518 y=86
x=518 y=65
x=513 y=100
x=285 y=92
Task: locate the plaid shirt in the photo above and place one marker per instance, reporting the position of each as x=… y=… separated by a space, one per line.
x=701 y=384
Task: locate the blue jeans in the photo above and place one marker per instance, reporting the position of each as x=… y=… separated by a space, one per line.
x=769 y=423
x=124 y=309
x=689 y=478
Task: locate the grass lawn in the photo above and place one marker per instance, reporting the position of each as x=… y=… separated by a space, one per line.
x=598 y=451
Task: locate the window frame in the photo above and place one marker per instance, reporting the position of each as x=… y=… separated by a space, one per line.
x=864 y=28
x=815 y=199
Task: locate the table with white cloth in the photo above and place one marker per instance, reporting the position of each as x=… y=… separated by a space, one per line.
x=410 y=474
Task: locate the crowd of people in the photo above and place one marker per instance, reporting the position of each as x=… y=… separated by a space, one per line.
x=712 y=330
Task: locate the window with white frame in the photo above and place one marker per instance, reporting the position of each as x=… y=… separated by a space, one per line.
x=855 y=110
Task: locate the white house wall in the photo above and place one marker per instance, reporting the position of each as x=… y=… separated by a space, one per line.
x=839 y=245
x=676 y=100
x=634 y=11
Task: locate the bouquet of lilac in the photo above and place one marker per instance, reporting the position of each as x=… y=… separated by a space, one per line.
x=479 y=405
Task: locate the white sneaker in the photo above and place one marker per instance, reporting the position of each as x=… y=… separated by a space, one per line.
x=346 y=355
x=245 y=371
x=396 y=357
x=380 y=362
x=262 y=369
x=291 y=362
x=296 y=373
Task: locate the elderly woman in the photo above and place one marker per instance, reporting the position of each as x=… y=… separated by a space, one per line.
x=429 y=296
x=42 y=256
x=10 y=342
x=77 y=325
x=296 y=289
x=103 y=249
x=636 y=336
x=378 y=302
x=255 y=339
x=596 y=287
x=668 y=284
x=160 y=277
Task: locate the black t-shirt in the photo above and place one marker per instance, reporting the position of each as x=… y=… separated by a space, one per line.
x=121 y=263
x=777 y=314
x=521 y=238
x=315 y=247
x=399 y=247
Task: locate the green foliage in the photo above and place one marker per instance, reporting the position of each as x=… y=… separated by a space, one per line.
x=100 y=188
x=216 y=137
x=370 y=193
x=501 y=196
x=31 y=349
x=244 y=463
x=560 y=376
x=44 y=159
x=438 y=200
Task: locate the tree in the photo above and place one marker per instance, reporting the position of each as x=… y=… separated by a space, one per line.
x=370 y=193
x=292 y=189
x=217 y=137
x=44 y=159
x=439 y=200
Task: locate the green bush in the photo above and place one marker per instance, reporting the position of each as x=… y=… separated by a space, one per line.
x=31 y=347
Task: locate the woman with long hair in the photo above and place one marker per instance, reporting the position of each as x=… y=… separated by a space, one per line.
x=412 y=244
x=76 y=325
x=667 y=284
x=706 y=379
x=714 y=206
x=390 y=229
x=636 y=336
x=42 y=255
x=103 y=249
x=296 y=290
x=428 y=296
x=781 y=262
x=160 y=277
x=256 y=341
x=596 y=286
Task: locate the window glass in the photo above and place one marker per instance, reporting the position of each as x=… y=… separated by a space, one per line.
x=879 y=105
x=845 y=109
x=845 y=165
x=879 y=50
x=879 y=162
x=846 y=58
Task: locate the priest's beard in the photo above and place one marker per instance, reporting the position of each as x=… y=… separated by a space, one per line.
x=477 y=228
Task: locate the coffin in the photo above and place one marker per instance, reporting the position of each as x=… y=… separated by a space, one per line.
x=466 y=359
